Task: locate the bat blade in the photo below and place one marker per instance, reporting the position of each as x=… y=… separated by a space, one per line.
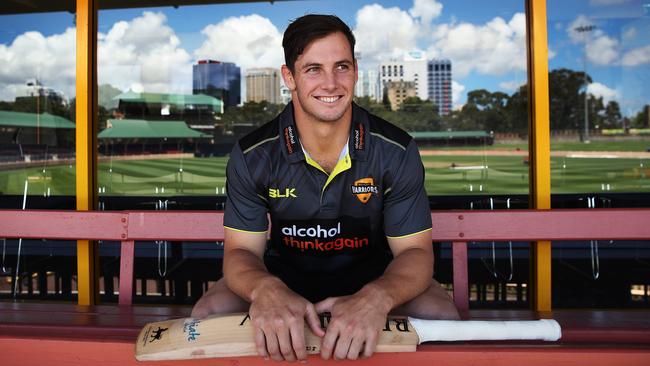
x=232 y=336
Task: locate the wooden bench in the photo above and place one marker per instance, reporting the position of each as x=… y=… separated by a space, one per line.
x=70 y=334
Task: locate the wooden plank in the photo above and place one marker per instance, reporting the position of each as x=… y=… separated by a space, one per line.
x=72 y=353
x=71 y=225
x=461 y=282
x=176 y=226
x=531 y=225
x=127 y=259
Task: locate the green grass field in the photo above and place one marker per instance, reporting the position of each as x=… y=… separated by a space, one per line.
x=206 y=176
x=630 y=145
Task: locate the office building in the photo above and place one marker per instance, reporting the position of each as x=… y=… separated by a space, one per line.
x=221 y=80
x=398 y=91
x=368 y=85
x=263 y=84
x=439 y=77
x=412 y=67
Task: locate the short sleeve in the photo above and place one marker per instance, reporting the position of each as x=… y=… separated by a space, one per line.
x=246 y=208
x=406 y=206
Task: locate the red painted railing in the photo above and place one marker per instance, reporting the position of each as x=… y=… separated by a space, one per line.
x=64 y=334
x=458 y=227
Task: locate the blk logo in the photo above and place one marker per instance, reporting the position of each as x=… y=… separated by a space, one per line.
x=286 y=193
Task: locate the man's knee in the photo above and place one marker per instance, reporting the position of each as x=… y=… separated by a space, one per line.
x=433 y=303
x=219 y=299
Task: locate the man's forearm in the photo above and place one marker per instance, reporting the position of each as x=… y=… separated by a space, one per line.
x=245 y=274
x=408 y=275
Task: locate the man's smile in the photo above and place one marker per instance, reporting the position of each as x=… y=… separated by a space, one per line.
x=329 y=99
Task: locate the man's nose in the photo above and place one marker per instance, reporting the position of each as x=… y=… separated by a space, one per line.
x=329 y=82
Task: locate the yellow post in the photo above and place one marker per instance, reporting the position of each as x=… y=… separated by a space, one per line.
x=86 y=142
x=539 y=144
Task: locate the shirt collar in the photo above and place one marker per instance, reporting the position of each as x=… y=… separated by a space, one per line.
x=358 y=140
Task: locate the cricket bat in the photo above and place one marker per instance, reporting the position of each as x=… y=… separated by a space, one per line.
x=232 y=335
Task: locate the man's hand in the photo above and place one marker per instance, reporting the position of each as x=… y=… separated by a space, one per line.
x=355 y=324
x=278 y=317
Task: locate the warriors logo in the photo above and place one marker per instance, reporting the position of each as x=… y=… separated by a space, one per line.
x=364 y=188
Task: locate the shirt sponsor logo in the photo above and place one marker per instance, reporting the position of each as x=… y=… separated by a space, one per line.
x=359 y=137
x=290 y=139
x=316 y=232
x=364 y=188
x=323 y=237
x=286 y=193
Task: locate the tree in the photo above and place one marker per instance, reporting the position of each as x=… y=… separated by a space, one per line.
x=567 y=98
x=642 y=119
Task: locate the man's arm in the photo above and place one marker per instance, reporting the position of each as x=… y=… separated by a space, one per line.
x=277 y=313
x=357 y=319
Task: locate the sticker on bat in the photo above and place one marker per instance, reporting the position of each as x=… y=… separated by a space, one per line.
x=157 y=334
x=190 y=328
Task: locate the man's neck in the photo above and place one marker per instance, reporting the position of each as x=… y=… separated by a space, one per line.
x=323 y=139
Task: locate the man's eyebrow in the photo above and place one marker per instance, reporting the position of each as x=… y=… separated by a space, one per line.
x=311 y=64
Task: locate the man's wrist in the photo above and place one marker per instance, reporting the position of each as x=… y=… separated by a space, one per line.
x=383 y=298
x=268 y=282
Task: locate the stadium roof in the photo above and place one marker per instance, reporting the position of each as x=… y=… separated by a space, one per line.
x=175 y=99
x=142 y=129
x=448 y=134
x=44 y=120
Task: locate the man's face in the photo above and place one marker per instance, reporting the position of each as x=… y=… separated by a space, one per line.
x=322 y=83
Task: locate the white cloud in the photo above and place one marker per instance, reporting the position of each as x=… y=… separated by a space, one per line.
x=496 y=48
x=510 y=86
x=31 y=55
x=629 y=34
x=394 y=35
x=249 y=41
x=144 y=53
x=457 y=96
x=427 y=10
x=637 y=56
x=601 y=90
x=600 y=49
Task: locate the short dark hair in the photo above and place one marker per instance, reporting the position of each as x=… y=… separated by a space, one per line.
x=304 y=30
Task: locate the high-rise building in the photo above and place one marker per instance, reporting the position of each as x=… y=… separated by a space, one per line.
x=439 y=76
x=263 y=84
x=412 y=67
x=217 y=79
x=368 y=85
x=285 y=94
x=398 y=91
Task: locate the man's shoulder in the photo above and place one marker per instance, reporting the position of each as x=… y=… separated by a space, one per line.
x=265 y=133
x=387 y=131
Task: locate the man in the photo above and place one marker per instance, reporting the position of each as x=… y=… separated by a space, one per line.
x=350 y=222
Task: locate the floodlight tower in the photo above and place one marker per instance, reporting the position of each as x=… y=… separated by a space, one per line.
x=585 y=29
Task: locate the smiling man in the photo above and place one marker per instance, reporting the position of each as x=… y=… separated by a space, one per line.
x=350 y=222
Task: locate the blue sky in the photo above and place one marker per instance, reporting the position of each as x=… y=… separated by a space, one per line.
x=484 y=39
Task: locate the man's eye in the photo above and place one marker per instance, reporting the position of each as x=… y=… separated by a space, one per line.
x=312 y=70
x=342 y=67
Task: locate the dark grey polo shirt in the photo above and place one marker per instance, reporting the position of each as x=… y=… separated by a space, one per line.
x=328 y=231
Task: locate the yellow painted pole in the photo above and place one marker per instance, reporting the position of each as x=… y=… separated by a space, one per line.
x=86 y=142
x=539 y=144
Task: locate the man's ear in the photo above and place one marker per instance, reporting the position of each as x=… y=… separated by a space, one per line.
x=287 y=76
